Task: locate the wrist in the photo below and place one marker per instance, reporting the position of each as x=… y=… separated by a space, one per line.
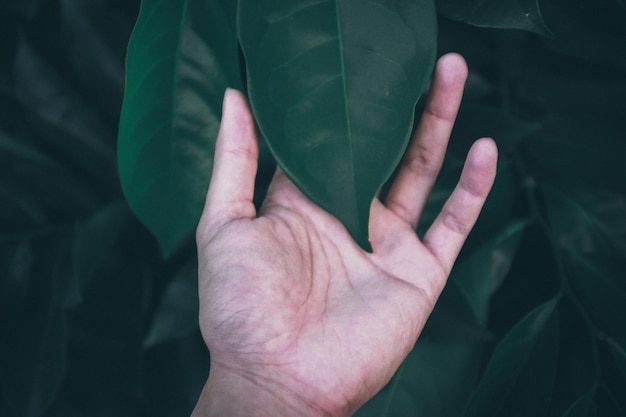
x=229 y=394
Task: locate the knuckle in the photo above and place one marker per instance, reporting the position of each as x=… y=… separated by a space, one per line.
x=239 y=152
x=455 y=221
x=399 y=208
x=421 y=162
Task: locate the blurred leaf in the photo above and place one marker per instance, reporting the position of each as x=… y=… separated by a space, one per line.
x=613 y=371
x=445 y=377
x=174 y=374
x=599 y=284
x=335 y=99
x=23 y=151
x=37 y=189
x=619 y=354
x=177 y=314
x=477 y=120
x=15 y=204
x=435 y=380
x=563 y=147
x=105 y=332
x=56 y=105
x=583 y=407
x=65 y=284
x=34 y=363
x=33 y=343
x=577 y=371
x=96 y=35
x=511 y=14
x=480 y=274
x=608 y=403
x=519 y=377
x=8 y=41
x=579 y=100
x=16 y=263
x=589 y=96
x=453 y=320
x=93 y=241
x=177 y=70
x=586 y=220
x=21 y=8
x=587 y=29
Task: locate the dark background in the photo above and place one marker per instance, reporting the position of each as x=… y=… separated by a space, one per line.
x=94 y=322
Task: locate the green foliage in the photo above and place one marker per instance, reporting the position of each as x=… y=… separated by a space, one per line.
x=95 y=320
x=334 y=98
x=177 y=69
x=519 y=377
x=519 y=14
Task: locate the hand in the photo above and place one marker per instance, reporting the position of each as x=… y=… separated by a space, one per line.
x=298 y=319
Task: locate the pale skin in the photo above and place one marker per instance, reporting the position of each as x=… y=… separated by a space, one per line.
x=299 y=320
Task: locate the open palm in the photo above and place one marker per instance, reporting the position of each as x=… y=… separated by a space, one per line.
x=295 y=314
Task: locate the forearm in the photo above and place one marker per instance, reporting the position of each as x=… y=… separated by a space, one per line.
x=228 y=395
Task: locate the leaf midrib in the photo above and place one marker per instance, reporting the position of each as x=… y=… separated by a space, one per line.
x=174 y=86
x=341 y=48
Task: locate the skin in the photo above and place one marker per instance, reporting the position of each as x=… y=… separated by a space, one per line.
x=298 y=319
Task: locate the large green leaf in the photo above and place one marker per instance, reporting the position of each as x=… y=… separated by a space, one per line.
x=519 y=377
x=333 y=85
x=182 y=56
x=511 y=14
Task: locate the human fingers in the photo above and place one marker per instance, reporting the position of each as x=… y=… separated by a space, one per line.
x=424 y=156
x=446 y=235
x=235 y=162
